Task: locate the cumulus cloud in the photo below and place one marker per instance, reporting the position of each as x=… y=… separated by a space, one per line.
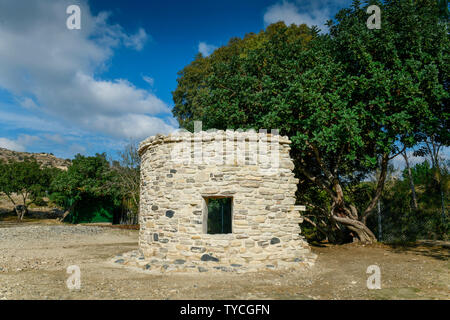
x=56 y=71
x=206 y=49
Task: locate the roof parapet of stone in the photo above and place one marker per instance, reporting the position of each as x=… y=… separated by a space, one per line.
x=183 y=135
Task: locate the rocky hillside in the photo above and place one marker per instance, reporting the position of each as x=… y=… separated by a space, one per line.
x=45 y=159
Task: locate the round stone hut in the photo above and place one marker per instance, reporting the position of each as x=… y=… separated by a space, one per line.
x=219 y=200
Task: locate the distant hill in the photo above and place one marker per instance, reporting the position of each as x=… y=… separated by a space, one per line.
x=45 y=159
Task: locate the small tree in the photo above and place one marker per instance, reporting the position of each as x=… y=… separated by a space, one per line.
x=127 y=180
x=86 y=179
x=25 y=179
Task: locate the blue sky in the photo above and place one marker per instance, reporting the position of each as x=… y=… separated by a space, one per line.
x=92 y=90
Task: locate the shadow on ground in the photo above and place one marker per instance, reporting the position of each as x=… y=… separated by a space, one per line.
x=430 y=248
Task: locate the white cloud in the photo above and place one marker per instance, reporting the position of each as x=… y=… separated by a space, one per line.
x=206 y=49
x=27 y=103
x=13 y=120
x=26 y=140
x=310 y=13
x=149 y=80
x=11 y=145
x=120 y=127
x=55 y=71
x=20 y=144
x=137 y=40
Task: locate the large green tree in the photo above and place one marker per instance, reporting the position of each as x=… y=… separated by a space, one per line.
x=347 y=99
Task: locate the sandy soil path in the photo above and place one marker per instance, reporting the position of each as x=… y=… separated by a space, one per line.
x=34 y=258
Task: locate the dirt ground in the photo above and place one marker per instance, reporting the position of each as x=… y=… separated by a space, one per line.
x=34 y=258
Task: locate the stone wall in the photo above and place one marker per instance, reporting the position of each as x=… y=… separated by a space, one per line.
x=179 y=171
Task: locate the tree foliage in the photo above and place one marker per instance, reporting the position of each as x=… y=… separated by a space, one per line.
x=245 y=69
x=95 y=189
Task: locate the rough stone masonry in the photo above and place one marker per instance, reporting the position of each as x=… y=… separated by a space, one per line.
x=182 y=171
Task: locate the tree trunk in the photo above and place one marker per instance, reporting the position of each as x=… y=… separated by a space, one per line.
x=348 y=217
x=439 y=182
x=411 y=181
x=67 y=212
x=20 y=210
x=434 y=149
x=380 y=233
x=341 y=213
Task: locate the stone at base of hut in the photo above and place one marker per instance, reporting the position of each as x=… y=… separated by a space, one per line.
x=136 y=259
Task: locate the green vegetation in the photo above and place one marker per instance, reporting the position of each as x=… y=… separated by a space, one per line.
x=400 y=220
x=85 y=190
x=350 y=100
x=93 y=189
